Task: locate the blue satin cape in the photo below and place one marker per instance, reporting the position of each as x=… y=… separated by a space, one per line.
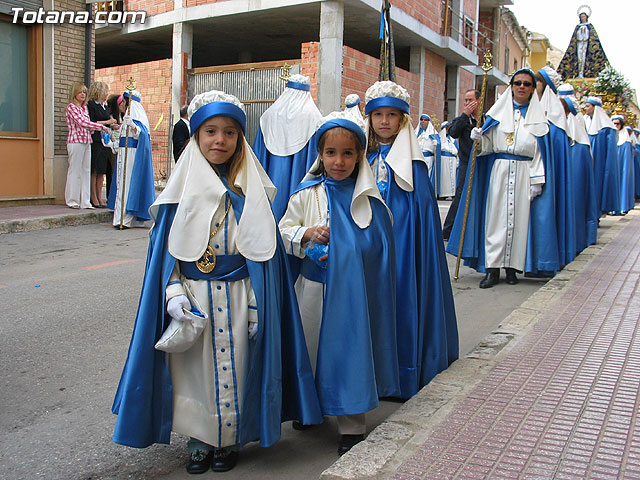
x=604 y=148
x=426 y=317
x=142 y=192
x=627 y=177
x=586 y=210
x=437 y=164
x=286 y=173
x=279 y=384
x=357 y=354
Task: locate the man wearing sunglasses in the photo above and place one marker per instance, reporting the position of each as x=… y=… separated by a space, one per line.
x=509 y=175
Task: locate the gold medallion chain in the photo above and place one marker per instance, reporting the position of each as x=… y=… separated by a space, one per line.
x=207 y=263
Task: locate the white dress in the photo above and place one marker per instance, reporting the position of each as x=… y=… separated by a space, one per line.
x=508 y=198
x=449 y=164
x=124 y=177
x=208 y=379
x=307 y=208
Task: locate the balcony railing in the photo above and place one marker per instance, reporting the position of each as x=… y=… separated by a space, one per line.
x=464 y=30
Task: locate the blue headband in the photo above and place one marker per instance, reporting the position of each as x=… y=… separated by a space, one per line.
x=593 y=101
x=528 y=71
x=357 y=102
x=217 y=109
x=617 y=117
x=547 y=79
x=424 y=115
x=565 y=92
x=444 y=125
x=298 y=86
x=133 y=97
x=569 y=103
x=338 y=122
x=393 y=102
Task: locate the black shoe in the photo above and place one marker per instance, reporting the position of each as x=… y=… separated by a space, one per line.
x=491 y=278
x=511 y=276
x=300 y=426
x=224 y=460
x=200 y=461
x=347 y=442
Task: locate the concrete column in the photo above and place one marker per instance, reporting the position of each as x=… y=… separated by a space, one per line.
x=48 y=96
x=181 y=60
x=418 y=65
x=330 y=56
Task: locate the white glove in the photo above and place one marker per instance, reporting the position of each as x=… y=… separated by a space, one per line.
x=176 y=307
x=127 y=120
x=476 y=133
x=253 y=329
x=534 y=191
x=434 y=142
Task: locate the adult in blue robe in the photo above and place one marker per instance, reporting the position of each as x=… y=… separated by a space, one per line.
x=627 y=174
x=604 y=149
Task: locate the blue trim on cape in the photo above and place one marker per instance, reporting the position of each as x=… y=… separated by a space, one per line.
x=285 y=172
x=627 y=177
x=279 y=384
x=299 y=86
x=426 y=322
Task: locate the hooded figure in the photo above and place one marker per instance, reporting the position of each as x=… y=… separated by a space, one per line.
x=426 y=319
x=215 y=251
x=509 y=175
x=132 y=189
x=352 y=108
x=625 y=158
x=584 y=202
x=429 y=142
x=449 y=163
x=606 y=164
x=282 y=141
x=347 y=301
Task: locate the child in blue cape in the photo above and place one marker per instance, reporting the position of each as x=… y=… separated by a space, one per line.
x=425 y=315
x=349 y=325
x=215 y=252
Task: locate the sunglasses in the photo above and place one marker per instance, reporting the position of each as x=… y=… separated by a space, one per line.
x=517 y=83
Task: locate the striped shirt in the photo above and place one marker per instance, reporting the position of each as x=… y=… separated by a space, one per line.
x=79 y=124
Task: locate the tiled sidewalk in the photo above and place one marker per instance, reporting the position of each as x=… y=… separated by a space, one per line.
x=563 y=404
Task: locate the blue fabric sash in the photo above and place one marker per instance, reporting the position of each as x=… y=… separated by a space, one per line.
x=427 y=154
x=229 y=268
x=299 y=86
x=132 y=143
x=512 y=156
x=448 y=154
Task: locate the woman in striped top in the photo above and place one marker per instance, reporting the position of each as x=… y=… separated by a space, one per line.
x=77 y=192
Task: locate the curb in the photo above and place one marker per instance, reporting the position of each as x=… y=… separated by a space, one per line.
x=55 y=221
x=399 y=436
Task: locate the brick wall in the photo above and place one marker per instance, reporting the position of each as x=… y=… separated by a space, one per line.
x=153 y=81
x=152 y=8
x=309 y=65
x=68 y=45
x=193 y=3
x=427 y=12
x=469 y=8
x=360 y=71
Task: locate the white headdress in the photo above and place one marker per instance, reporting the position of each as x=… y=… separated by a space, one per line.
x=288 y=124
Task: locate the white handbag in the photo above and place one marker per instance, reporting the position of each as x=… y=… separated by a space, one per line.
x=181 y=335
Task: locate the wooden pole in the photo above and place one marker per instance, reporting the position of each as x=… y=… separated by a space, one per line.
x=130 y=87
x=486 y=67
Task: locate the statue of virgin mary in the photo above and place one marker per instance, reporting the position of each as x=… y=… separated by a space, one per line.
x=584 y=56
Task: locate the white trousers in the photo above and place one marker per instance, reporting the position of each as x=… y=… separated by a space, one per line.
x=77 y=192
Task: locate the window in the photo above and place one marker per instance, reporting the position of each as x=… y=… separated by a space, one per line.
x=468 y=34
x=506 y=60
x=16 y=102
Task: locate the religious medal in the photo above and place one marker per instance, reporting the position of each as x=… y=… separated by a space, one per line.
x=207 y=262
x=510 y=139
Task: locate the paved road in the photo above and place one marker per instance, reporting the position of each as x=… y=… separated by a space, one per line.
x=68 y=298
